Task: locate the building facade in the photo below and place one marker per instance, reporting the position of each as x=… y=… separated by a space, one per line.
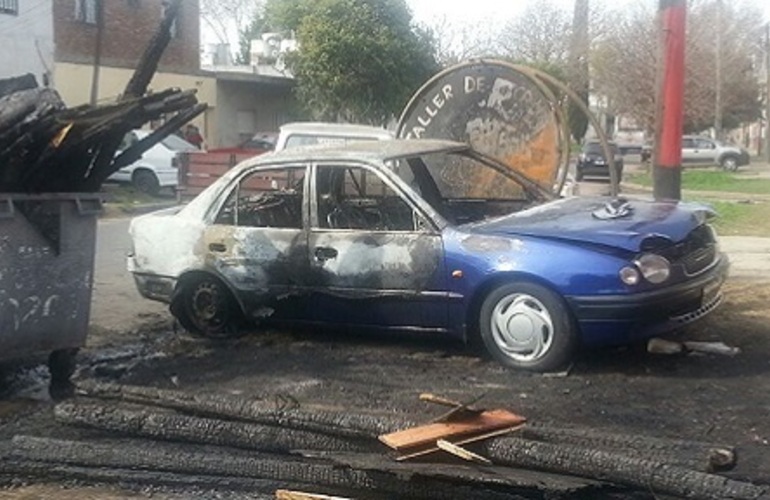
x=27 y=39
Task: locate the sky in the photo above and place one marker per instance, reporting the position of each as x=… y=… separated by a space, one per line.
x=498 y=11
x=492 y=13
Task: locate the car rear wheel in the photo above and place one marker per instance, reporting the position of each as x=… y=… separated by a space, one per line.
x=206 y=307
x=527 y=326
x=729 y=163
x=146 y=182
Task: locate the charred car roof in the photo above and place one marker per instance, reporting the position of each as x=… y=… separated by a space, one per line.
x=375 y=151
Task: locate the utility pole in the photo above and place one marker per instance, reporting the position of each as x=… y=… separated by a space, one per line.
x=99 y=6
x=718 y=70
x=767 y=94
x=667 y=171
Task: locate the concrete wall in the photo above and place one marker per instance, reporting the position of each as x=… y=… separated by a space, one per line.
x=248 y=107
x=73 y=81
x=27 y=41
x=128 y=27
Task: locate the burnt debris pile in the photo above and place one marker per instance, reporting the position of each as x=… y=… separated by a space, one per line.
x=140 y=435
x=48 y=147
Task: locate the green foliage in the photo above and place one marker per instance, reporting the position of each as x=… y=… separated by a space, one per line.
x=744 y=219
x=359 y=60
x=252 y=31
x=713 y=180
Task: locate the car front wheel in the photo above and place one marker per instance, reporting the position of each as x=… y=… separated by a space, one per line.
x=527 y=326
x=729 y=163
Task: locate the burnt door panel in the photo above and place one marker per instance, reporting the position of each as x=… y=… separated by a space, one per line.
x=258 y=243
x=373 y=260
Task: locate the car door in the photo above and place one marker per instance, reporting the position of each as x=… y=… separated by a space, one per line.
x=258 y=241
x=688 y=150
x=375 y=258
x=705 y=151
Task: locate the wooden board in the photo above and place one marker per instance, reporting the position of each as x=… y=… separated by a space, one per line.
x=300 y=495
x=481 y=423
x=427 y=449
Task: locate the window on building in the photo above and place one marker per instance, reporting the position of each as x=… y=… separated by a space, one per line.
x=9 y=7
x=86 y=11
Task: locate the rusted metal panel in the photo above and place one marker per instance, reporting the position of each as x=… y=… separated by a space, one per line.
x=499 y=111
x=46 y=271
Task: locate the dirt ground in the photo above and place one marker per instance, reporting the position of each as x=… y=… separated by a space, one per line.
x=704 y=397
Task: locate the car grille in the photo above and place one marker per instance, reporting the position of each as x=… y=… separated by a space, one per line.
x=696 y=253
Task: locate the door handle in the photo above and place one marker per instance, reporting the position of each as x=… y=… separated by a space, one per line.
x=217 y=247
x=324 y=253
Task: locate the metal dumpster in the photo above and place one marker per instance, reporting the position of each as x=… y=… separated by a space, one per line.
x=47 y=245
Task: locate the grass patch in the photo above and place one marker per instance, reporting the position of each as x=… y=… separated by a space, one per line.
x=712 y=180
x=742 y=219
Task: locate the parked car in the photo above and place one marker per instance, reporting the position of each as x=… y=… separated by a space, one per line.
x=702 y=150
x=258 y=144
x=388 y=235
x=297 y=134
x=593 y=163
x=698 y=150
x=157 y=168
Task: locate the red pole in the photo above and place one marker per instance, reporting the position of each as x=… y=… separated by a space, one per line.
x=667 y=172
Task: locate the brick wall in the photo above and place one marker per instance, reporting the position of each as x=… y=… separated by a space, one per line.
x=128 y=27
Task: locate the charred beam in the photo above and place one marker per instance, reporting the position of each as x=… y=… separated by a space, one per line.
x=136 y=151
x=334 y=478
x=698 y=455
x=349 y=425
x=172 y=427
x=618 y=468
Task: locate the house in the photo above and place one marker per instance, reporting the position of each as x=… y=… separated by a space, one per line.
x=26 y=38
x=239 y=104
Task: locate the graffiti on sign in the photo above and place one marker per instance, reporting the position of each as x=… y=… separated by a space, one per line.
x=499 y=111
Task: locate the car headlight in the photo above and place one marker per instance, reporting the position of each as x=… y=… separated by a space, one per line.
x=629 y=276
x=655 y=268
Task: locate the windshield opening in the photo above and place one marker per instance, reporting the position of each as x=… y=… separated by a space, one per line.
x=596 y=148
x=465 y=189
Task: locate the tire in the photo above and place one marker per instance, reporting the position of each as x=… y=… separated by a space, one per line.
x=578 y=175
x=729 y=163
x=205 y=307
x=510 y=310
x=146 y=182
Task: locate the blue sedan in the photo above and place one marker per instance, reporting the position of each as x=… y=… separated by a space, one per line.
x=429 y=236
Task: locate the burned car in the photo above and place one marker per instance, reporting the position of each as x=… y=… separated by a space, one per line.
x=428 y=236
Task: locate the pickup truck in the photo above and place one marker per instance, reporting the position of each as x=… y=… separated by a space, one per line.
x=697 y=150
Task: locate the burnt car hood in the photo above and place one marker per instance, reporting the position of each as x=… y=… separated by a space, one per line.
x=587 y=220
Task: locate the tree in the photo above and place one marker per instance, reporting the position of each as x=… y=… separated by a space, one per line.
x=251 y=31
x=624 y=65
x=358 y=60
x=539 y=35
x=459 y=41
x=229 y=18
x=579 y=68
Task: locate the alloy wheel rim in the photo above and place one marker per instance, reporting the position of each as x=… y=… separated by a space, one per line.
x=522 y=327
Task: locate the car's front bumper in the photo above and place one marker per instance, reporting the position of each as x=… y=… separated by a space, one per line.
x=615 y=319
x=592 y=169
